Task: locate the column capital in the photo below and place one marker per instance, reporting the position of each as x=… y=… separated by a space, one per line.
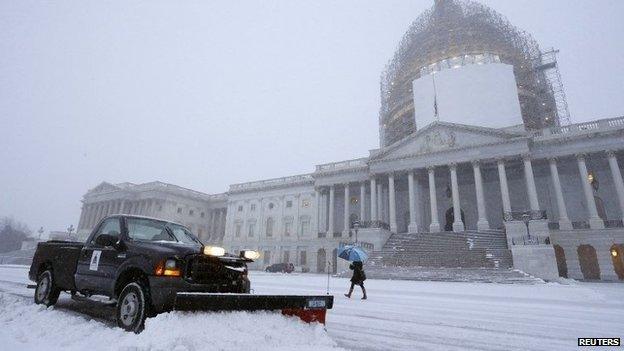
x=610 y=153
x=553 y=159
x=430 y=168
x=452 y=166
x=475 y=163
x=526 y=157
x=500 y=160
x=581 y=156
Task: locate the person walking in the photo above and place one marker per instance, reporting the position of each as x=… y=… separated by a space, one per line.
x=358 y=278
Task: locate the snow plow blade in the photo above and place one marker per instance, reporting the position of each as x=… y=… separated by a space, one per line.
x=307 y=308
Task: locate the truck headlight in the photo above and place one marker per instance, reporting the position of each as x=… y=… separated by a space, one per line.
x=169 y=267
x=250 y=254
x=214 y=251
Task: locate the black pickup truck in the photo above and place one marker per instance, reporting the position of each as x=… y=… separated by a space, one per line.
x=146 y=266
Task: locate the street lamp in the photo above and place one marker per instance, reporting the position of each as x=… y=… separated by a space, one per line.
x=356 y=226
x=526 y=218
x=40 y=231
x=70 y=229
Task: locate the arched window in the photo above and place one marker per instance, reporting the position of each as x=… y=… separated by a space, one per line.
x=269 y=226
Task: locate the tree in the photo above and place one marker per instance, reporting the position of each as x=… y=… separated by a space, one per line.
x=12 y=233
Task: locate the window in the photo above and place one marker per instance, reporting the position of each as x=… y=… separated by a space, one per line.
x=305 y=203
x=289 y=203
x=179 y=209
x=253 y=207
x=202 y=215
x=267 y=257
x=303 y=258
x=191 y=213
x=238 y=230
x=252 y=229
x=305 y=226
x=286 y=256
x=354 y=200
x=240 y=208
x=269 y=227
x=287 y=227
x=109 y=227
x=271 y=205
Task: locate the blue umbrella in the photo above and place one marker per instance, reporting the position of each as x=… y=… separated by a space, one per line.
x=352 y=253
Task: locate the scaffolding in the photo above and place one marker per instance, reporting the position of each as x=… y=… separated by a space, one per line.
x=462 y=30
x=546 y=63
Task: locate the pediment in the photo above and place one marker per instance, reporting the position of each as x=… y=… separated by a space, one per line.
x=441 y=136
x=104 y=187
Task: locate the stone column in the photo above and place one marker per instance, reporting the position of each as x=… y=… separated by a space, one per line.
x=595 y=222
x=363 y=201
x=83 y=210
x=211 y=224
x=530 y=183
x=435 y=225
x=330 y=225
x=392 y=200
x=317 y=196
x=346 y=210
x=458 y=225
x=412 y=227
x=564 y=221
x=617 y=179
x=373 y=205
x=482 y=222
x=380 y=194
x=90 y=216
x=122 y=207
x=100 y=212
x=502 y=176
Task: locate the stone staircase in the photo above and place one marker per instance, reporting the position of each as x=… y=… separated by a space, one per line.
x=469 y=249
x=473 y=275
x=446 y=256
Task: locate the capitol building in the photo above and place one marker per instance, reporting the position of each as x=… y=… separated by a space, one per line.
x=478 y=165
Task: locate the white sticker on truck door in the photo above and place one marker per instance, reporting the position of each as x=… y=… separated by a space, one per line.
x=95 y=260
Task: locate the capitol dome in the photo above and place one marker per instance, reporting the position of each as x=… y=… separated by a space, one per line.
x=455 y=33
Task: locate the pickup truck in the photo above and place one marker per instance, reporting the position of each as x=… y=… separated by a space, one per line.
x=145 y=266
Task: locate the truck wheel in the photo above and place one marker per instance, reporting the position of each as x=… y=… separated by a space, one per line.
x=132 y=307
x=46 y=292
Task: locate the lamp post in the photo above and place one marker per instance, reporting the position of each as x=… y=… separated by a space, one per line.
x=70 y=229
x=356 y=226
x=40 y=231
x=526 y=218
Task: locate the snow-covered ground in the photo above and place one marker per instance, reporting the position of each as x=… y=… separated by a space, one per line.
x=405 y=315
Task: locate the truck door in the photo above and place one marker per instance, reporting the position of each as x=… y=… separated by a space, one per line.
x=97 y=264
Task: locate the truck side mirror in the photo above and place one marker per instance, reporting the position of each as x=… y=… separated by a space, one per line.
x=106 y=240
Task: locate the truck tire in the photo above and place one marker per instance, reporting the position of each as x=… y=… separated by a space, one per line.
x=133 y=307
x=46 y=292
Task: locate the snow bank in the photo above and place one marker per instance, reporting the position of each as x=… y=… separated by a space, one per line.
x=25 y=326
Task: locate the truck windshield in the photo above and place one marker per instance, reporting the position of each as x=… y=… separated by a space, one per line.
x=149 y=230
x=183 y=234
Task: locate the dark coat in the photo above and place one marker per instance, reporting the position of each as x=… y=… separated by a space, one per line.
x=358 y=273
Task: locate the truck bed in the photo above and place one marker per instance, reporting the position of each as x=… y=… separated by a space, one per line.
x=63 y=256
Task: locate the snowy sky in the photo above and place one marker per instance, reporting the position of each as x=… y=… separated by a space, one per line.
x=206 y=94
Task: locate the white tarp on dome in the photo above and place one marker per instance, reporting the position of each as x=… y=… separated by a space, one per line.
x=481 y=95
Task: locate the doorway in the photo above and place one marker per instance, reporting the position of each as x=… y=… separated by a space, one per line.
x=588 y=262
x=562 y=266
x=450 y=218
x=617 y=257
x=321 y=256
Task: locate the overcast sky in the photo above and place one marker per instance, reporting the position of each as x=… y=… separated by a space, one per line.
x=209 y=93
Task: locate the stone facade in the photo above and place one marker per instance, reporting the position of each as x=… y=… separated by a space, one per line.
x=204 y=214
